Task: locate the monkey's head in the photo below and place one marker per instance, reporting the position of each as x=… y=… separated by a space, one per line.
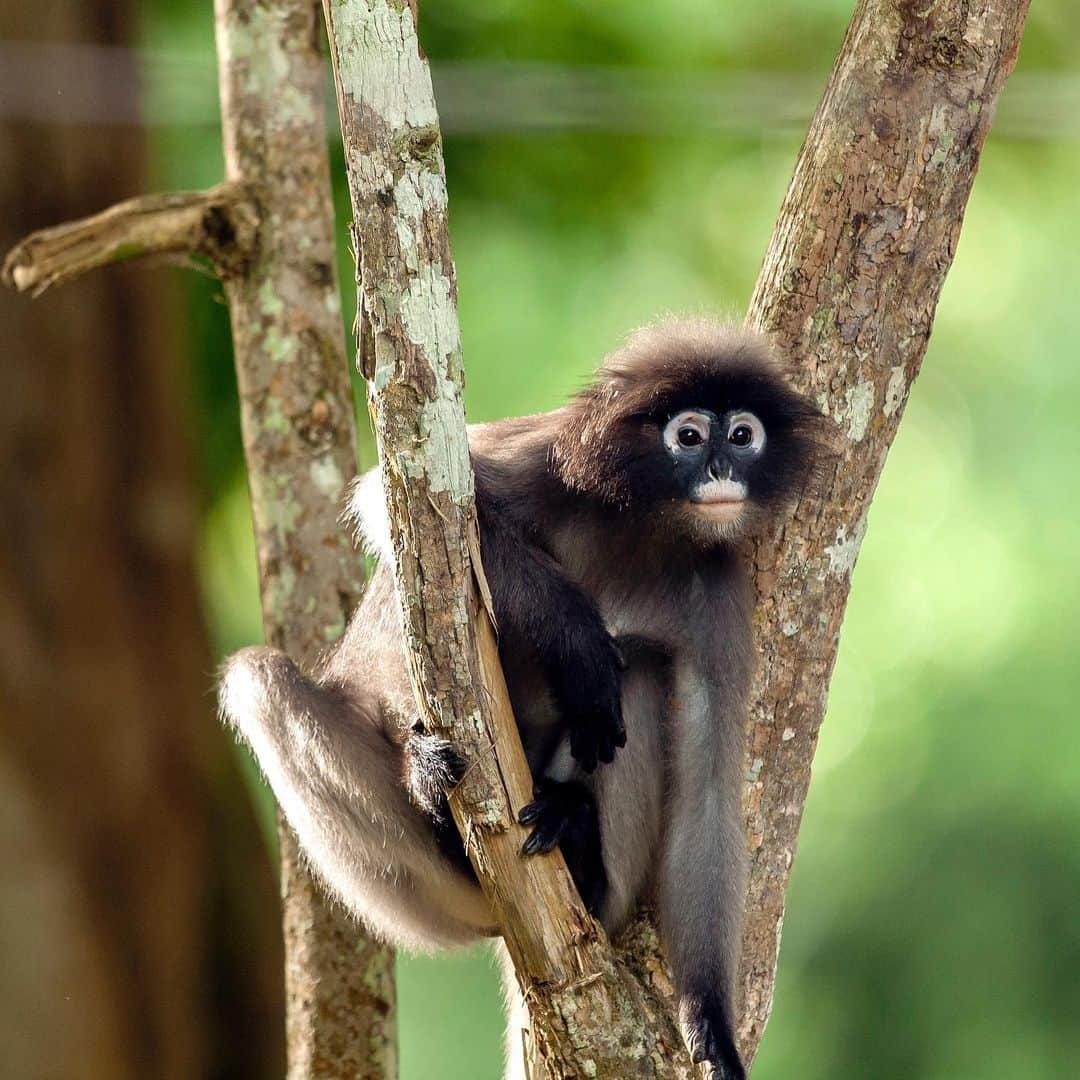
x=696 y=422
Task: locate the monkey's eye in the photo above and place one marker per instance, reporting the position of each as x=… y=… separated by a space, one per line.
x=746 y=432
x=686 y=430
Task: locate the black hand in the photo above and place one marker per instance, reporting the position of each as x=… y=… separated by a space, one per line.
x=565 y=813
x=533 y=597
x=710 y=1037
x=589 y=693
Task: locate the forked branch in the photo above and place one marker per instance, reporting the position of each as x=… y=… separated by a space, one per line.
x=849 y=288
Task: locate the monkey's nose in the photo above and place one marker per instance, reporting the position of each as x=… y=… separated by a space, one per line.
x=714 y=470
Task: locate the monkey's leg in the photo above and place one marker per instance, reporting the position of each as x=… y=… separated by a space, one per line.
x=624 y=803
x=515 y=1048
x=608 y=824
x=702 y=870
x=338 y=778
x=628 y=798
x=630 y=792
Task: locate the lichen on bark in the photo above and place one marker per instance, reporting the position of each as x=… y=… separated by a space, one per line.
x=848 y=288
x=299 y=442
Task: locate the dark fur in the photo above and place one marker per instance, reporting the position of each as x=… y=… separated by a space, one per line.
x=563 y=814
x=607 y=445
x=625 y=635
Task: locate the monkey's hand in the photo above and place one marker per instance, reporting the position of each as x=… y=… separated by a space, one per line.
x=564 y=813
x=589 y=693
x=709 y=1035
x=531 y=593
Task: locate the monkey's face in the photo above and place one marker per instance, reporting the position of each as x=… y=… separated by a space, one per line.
x=732 y=462
x=696 y=427
x=713 y=458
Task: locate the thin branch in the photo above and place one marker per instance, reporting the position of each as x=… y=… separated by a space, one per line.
x=220 y=225
x=849 y=286
x=300 y=446
x=586 y=1012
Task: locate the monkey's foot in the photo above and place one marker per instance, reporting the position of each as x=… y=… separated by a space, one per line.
x=564 y=813
x=558 y=810
x=433 y=767
x=710 y=1038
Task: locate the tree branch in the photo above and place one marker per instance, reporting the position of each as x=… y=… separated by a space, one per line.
x=299 y=442
x=873 y=213
x=220 y=224
x=586 y=1013
x=849 y=286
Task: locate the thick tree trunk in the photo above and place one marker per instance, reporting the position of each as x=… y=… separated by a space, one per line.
x=849 y=287
x=128 y=950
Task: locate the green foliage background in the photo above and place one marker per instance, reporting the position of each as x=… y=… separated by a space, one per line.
x=933 y=928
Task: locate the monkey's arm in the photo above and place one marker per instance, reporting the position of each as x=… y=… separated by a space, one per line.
x=580 y=659
x=531 y=594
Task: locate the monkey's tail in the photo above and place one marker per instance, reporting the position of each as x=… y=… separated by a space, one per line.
x=300 y=729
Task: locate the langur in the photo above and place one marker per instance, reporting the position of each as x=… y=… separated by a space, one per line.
x=609 y=532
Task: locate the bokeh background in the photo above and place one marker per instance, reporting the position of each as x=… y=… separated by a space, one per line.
x=608 y=162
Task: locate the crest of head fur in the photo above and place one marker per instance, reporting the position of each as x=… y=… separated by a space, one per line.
x=611 y=432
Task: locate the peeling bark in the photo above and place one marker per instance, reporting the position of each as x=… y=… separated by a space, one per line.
x=849 y=286
x=299 y=441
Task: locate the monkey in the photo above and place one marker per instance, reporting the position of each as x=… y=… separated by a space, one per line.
x=610 y=532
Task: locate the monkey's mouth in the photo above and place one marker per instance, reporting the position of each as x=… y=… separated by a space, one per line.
x=720 y=510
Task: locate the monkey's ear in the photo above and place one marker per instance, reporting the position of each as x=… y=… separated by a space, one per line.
x=581 y=437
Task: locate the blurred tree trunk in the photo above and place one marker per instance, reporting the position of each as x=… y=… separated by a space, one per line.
x=138 y=912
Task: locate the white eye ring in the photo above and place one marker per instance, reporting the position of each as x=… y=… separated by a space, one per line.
x=746 y=433
x=685 y=431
